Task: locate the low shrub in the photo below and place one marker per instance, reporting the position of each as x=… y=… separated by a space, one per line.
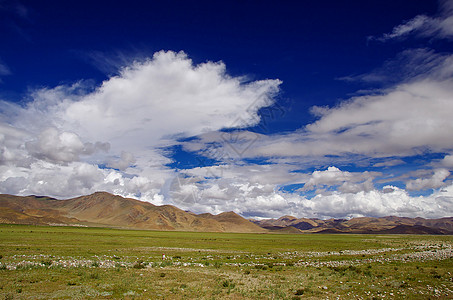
x=139 y=264
x=228 y=284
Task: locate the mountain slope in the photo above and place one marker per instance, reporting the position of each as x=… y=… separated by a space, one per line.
x=233 y=222
x=104 y=209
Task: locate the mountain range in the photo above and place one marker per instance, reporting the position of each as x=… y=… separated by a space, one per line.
x=382 y=225
x=107 y=210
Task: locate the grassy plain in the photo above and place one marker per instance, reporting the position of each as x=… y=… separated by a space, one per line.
x=101 y=263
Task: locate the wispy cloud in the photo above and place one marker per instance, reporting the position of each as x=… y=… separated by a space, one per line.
x=389 y=163
x=15 y=14
x=110 y=63
x=440 y=26
x=408 y=66
x=406 y=119
x=4 y=70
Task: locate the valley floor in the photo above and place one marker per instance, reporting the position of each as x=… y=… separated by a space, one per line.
x=99 y=263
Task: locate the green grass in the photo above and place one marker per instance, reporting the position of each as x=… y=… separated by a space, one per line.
x=102 y=263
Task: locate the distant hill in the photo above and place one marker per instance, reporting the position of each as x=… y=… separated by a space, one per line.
x=104 y=209
x=412 y=229
x=287 y=230
x=384 y=225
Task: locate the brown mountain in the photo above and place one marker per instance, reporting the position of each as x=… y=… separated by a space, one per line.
x=411 y=229
x=285 y=221
x=232 y=222
x=286 y=230
x=384 y=225
x=104 y=209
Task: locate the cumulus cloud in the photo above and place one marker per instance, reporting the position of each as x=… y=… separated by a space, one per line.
x=392 y=201
x=216 y=188
x=11 y=146
x=440 y=26
x=447 y=161
x=84 y=131
x=167 y=96
x=248 y=199
x=126 y=160
x=75 y=179
x=349 y=181
x=45 y=178
x=61 y=147
x=355 y=195
x=433 y=182
x=257 y=198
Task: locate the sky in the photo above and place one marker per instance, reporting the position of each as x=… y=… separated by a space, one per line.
x=317 y=109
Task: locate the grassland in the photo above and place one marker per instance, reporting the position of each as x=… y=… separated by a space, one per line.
x=99 y=263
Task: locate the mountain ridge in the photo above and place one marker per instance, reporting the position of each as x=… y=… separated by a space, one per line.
x=362 y=225
x=105 y=209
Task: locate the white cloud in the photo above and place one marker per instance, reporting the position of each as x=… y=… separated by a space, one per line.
x=45 y=178
x=259 y=199
x=56 y=142
x=438 y=27
x=273 y=174
x=404 y=120
x=4 y=70
x=392 y=201
x=349 y=181
x=434 y=182
x=407 y=119
x=256 y=196
x=11 y=146
x=410 y=118
x=389 y=163
x=61 y=147
x=407 y=66
x=126 y=160
x=233 y=187
x=356 y=187
x=419 y=23
x=167 y=96
x=223 y=146
x=447 y=161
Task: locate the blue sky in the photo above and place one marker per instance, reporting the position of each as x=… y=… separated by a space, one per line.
x=305 y=108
